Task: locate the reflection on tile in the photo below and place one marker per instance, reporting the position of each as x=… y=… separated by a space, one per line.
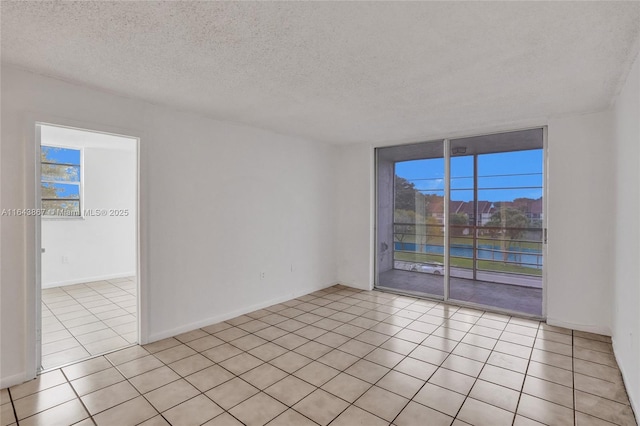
x=43 y=400
x=64 y=414
x=338 y=355
x=85 y=368
x=44 y=381
x=87 y=319
x=452 y=380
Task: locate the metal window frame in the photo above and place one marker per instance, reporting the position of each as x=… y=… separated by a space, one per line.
x=447 y=157
x=80 y=183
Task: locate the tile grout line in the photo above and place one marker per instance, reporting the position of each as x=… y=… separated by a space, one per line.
x=78 y=397
x=573 y=378
x=515 y=416
x=369 y=309
x=139 y=393
x=444 y=319
x=42 y=338
x=13 y=407
x=440 y=366
x=289 y=350
x=78 y=302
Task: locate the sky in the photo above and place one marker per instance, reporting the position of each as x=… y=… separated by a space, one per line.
x=501 y=176
x=65 y=156
x=62 y=155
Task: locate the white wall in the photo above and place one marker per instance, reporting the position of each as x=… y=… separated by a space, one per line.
x=94 y=248
x=220 y=204
x=579 y=265
x=355 y=195
x=626 y=291
x=581 y=190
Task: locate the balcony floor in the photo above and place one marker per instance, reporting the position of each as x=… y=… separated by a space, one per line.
x=527 y=300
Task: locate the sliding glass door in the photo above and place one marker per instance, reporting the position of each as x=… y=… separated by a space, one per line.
x=492 y=241
x=410 y=241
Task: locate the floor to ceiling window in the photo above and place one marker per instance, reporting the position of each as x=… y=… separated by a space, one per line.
x=489 y=250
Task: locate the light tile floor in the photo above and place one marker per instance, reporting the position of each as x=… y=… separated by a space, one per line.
x=82 y=320
x=342 y=357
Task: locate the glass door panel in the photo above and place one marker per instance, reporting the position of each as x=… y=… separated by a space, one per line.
x=411 y=192
x=495 y=222
x=492 y=239
x=461 y=217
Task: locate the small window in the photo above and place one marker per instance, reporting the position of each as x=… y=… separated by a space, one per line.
x=60 y=180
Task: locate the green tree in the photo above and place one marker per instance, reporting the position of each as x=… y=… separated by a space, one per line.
x=511 y=224
x=406 y=195
x=51 y=170
x=48 y=190
x=457 y=221
x=435 y=230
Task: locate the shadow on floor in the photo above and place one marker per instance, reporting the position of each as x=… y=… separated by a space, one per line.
x=503 y=296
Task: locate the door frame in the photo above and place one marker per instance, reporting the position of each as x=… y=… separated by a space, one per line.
x=33 y=291
x=447 y=156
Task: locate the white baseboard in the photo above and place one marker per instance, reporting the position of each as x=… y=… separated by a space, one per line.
x=228 y=315
x=357 y=286
x=596 y=329
x=88 y=279
x=16 y=379
x=625 y=380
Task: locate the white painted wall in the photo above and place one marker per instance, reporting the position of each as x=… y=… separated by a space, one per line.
x=221 y=203
x=581 y=192
x=355 y=195
x=626 y=290
x=94 y=247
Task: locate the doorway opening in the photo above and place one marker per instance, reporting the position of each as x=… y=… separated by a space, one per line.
x=463 y=220
x=88 y=280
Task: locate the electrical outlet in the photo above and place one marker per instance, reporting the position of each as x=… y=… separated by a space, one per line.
x=65 y=259
x=262 y=275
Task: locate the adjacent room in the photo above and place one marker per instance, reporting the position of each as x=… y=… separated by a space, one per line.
x=320 y=213
x=88 y=188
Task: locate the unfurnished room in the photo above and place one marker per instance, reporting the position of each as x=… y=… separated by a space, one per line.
x=319 y=213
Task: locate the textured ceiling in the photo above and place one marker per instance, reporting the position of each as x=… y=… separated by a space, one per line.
x=337 y=72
